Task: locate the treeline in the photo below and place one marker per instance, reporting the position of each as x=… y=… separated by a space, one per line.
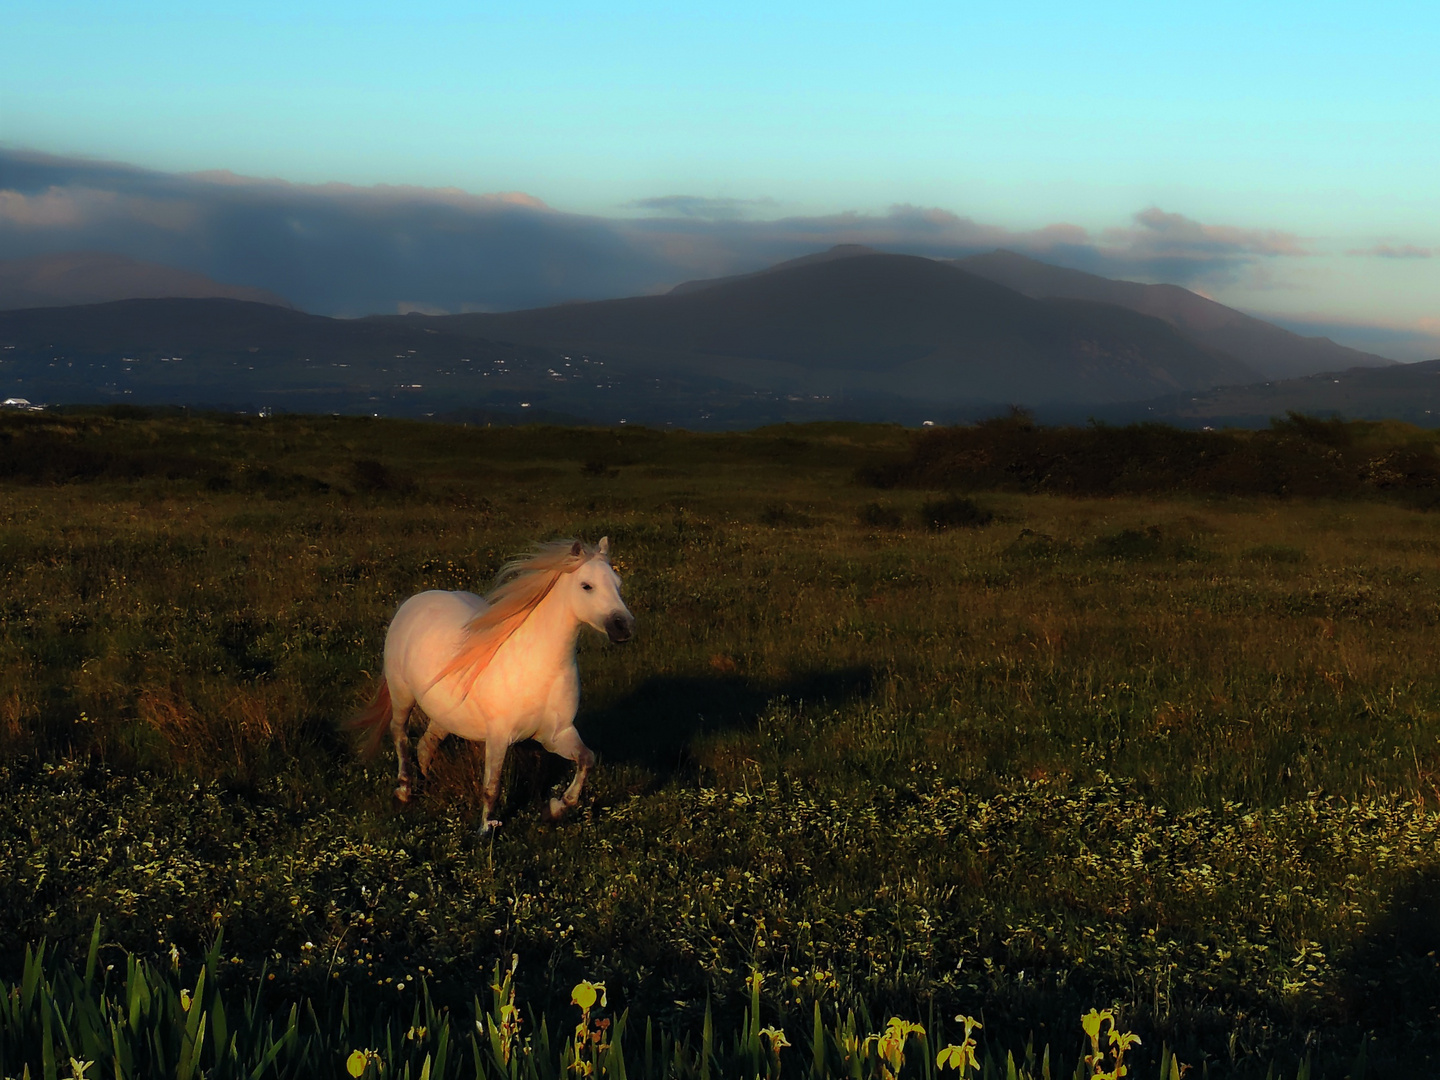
x=1297 y=456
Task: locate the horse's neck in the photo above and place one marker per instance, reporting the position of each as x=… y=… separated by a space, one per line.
x=548 y=636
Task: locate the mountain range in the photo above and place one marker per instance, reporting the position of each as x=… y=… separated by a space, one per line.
x=871 y=323
x=845 y=333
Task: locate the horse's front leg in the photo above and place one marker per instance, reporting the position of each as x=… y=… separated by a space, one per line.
x=567 y=744
x=495 y=752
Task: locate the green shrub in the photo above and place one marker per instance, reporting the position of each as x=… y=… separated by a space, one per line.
x=876 y=515
x=1274 y=553
x=954 y=512
x=784 y=516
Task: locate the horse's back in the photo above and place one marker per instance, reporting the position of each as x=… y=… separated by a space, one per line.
x=426 y=633
x=437 y=604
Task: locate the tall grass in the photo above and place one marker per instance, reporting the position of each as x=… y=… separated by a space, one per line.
x=148 y=1020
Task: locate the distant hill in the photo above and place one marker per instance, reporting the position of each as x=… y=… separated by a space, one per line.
x=237 y=354
x=1276 y=353
x=1409 y=392
x=869 y=323
x=97 y=277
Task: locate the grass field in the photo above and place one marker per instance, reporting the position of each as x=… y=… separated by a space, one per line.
x=1177 y=755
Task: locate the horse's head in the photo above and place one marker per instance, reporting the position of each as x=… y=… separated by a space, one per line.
x=595 y=589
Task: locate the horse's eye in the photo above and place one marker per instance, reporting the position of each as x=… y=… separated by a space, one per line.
x=586 y=586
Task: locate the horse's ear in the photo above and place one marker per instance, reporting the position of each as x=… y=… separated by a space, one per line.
x=577 y=548
x=604 y=546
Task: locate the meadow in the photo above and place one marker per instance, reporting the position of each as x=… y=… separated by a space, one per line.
x=901 y=739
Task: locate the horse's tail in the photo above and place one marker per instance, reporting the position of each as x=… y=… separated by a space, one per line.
x=373 y=721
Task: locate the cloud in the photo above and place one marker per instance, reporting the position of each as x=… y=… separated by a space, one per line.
x=348 y=250
x=699 y=206
x=704 y=247
x=1407 y=340
x=1170 y=247
x=377 y=192
x=76 y=207
x=1176 y=232
x=1386 y=251
x=46 y=209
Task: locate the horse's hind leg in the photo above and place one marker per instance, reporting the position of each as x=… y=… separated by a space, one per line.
x=401 y=702
x=429 y=743
x=567 y=744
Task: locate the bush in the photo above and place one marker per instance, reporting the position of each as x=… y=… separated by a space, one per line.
x=1273 y=553
x=878 y=516
x=783 y=516
x=375 y=477
x=1298 y=456
x=1131 y=543
x=1330 y=432
x=955 y=512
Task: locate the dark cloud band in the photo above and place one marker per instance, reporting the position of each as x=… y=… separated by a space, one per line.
x=338 y=249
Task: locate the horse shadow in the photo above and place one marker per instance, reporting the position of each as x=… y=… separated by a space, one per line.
x=1390 y=978
x=656 y=724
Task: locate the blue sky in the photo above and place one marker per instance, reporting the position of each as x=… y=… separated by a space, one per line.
x=1317 y=121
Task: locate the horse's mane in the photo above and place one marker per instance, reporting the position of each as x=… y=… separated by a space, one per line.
x=519 y=587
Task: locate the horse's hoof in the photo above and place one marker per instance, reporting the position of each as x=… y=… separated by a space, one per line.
x=403 y=793
x=557 y=809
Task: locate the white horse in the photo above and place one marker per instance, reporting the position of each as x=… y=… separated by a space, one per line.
x=501 y=668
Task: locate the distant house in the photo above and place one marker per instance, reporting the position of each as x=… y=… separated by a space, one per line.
x=21 y=403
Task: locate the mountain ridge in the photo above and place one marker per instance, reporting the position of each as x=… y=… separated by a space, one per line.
x=75 y=278
x=1276 y=352
x=839 y=251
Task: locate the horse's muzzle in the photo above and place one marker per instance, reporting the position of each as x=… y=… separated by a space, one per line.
x=620 y=627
